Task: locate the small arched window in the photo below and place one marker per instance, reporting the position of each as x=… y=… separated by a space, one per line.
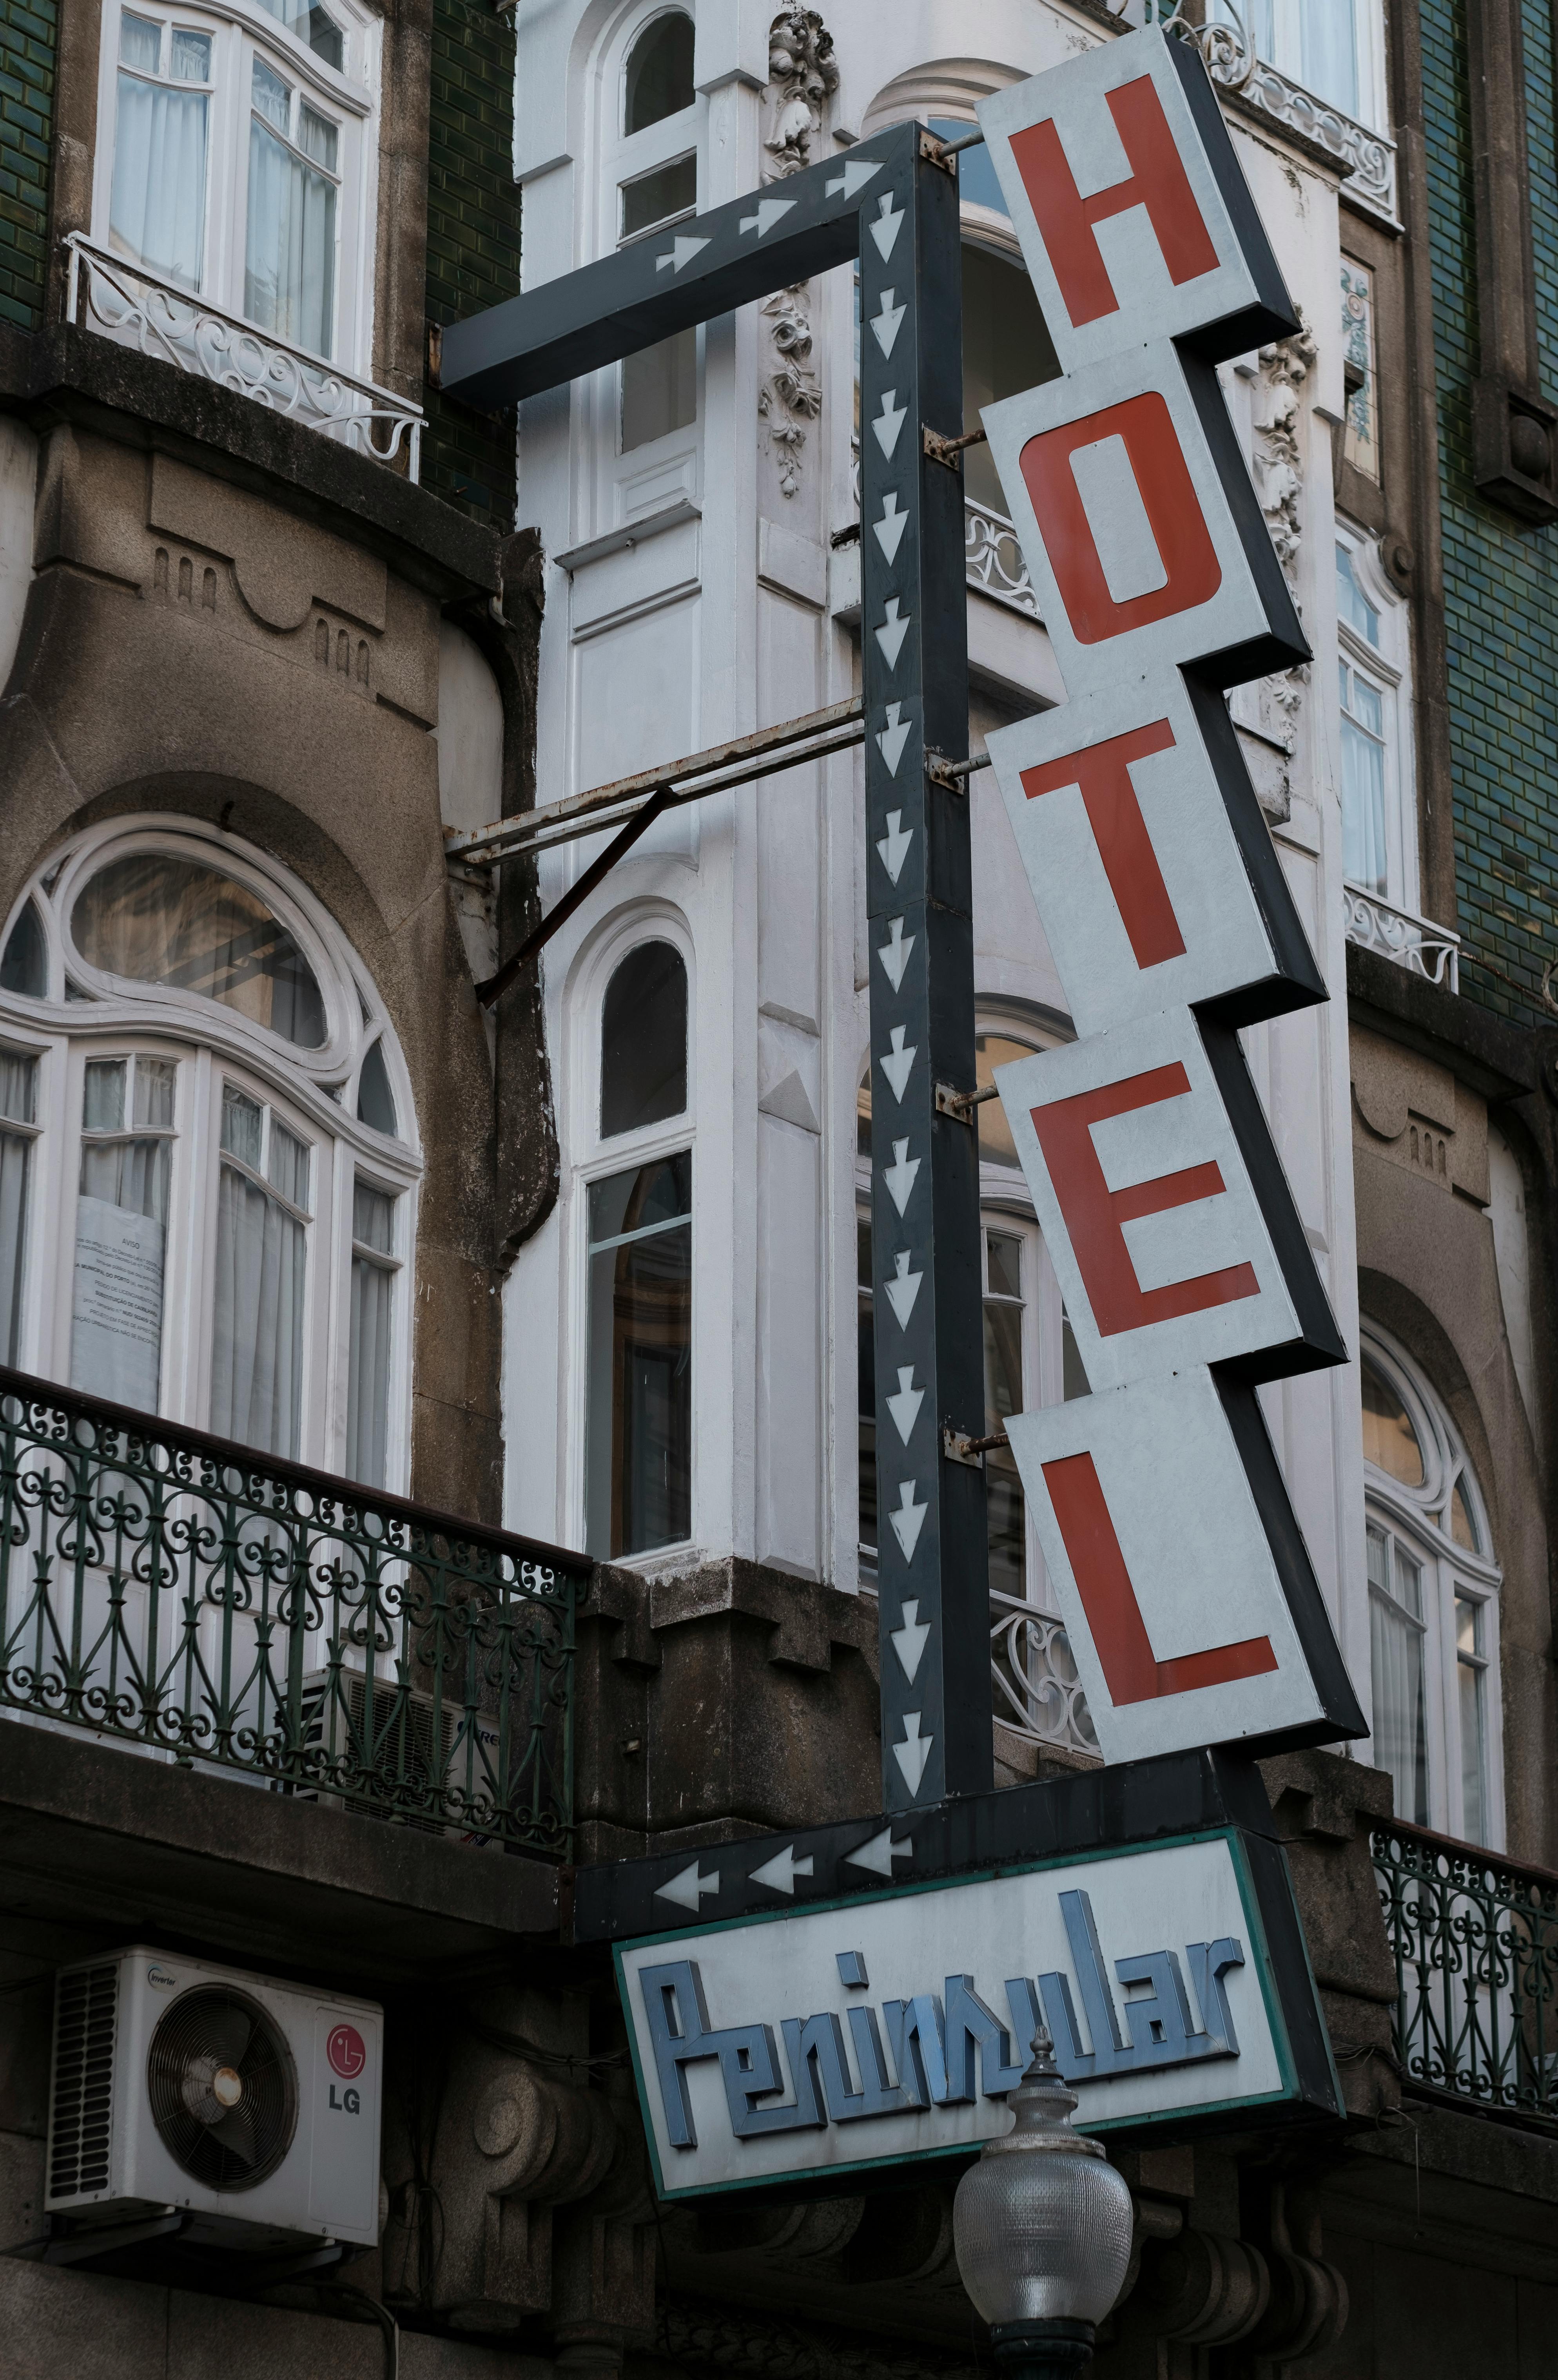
x=156 y=919
x=1433 y=1604
x=643 y=1041
x=658 y=81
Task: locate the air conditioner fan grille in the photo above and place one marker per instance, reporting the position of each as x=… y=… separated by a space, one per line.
x=222 y=2088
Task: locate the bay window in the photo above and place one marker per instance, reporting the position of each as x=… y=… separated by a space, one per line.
x=204 y=1183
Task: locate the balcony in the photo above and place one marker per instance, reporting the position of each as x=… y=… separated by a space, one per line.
x=218 y=1610
x=140 y=308
x=1475 y=1941
x=1376 y=924
x=993 y=560
x=1036 y=1690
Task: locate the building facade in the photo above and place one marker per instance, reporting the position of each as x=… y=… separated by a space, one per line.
x=425 y=1282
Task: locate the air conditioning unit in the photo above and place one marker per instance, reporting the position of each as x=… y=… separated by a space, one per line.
x=421 y=1743
x=252 y=2103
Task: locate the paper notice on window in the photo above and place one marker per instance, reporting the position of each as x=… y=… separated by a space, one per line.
x=116 y=1322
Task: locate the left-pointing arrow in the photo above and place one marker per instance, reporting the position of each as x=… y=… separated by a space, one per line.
x=781 y=1871
x=687 y=1890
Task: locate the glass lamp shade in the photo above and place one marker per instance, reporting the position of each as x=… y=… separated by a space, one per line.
x=1042 y=2223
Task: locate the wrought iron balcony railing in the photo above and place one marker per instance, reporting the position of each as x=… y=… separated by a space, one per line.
x=1475 y=1939
x=143 y=310
x=1432 y=952
x=190 y=1599
x=1037 y=1690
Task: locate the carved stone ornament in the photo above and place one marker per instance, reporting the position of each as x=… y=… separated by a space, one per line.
x=805 y=77
x=1269 y=706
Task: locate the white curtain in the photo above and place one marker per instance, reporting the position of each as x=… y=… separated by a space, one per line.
x=368 y=1379
x=121 y=1236
x=1396 y=1643
x=1364 y=856
x=257 y=1346
x=16 y=1153
x=289 y=276
x=158 y=211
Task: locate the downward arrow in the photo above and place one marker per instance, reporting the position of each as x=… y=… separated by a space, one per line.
x=889 y=421
x=781 y=1871
x=903 y=1291
x=897 y=1067
x=908 y=1520
x=888 y=531
x=894 y=952
x=893 y=631
x=688 y=1889
x=884 y=231
x=885 y=321
x=908 y=1641
x=914 y=1751
x=890 y=742
x=853 y=178
x=879 y=1854
x=681 y=252
x=767 y=214
x=895 y=849
x=905 y=1407
x=899 y=1175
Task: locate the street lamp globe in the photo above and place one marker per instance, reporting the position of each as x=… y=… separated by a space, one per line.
x=1042 y=2229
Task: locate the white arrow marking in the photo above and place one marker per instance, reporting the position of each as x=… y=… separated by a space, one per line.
x=768 y=213
x=889 y=531
x=881 y=1851
x=894 y=952
x=885 y=321
x=890 y=742
x=908 y=1641
x=884 y=231
x=889 y=421
x=681 y=252
x=908 y=1520
x=853 y=178
x=780 y=1873
x=914 y=1751
x=904 y=1406
x=894 y=850
x=899 y=1175
x=897 y=1067
x=893 y=631
x=688 y=1889
x=903 y=1291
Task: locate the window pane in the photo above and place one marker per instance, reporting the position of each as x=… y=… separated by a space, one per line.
x=659 y=389
x=659 y=78
x=139 y=41
x=191 y=56
x=977 y=182
x=1366 y=706
x=1329 y=60
x=368 y=1366
x=1470 y=1677
x=156 y=919
x=243 y=1122
x=1389 y=1443
x=643 y=1041
x=373 y=1218
x=121 y=1236
x=289 y=262
x=257 y=1333
x=288 y=1166
x=1002 y=1397
x=273 y=98
x=669 y=191
x=992 y=1050
x=157 y=211
x=638 y=1437
x=1006 y=348
x=1351 y=602
x=25 y=966
x=1364 y=858
x=375 y=1101
x=155 y=1079
x=16 y=1159
x=1409 y=1583
x=316 y=137
x=1400 y=1717
x=19 y=1086
x=1004 y=1265
x=1074 y=1372
x=309 y=24
x=1463 y=1528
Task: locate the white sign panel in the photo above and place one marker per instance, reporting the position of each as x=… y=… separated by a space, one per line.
x=891 y=2027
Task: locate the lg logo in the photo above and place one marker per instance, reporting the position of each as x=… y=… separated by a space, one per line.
x=348 y=2054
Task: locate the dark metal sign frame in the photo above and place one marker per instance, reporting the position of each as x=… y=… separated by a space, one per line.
x=893 y=201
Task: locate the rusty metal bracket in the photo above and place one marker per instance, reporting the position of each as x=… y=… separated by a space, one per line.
x=952 y=774
x=948 y=452
x=960 y=1105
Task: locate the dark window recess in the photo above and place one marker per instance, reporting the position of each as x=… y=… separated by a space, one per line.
x=643 y=1041
x=1006 y=348
x=25 y=966
x=639 y=1435
x=669 y=191
x=659 y=81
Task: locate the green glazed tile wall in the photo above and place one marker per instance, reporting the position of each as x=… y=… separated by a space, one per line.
x=473 y=240
x=28 y=35
x=1501 y=581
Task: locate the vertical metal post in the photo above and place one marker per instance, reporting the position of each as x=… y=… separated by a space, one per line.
x=933 y=1563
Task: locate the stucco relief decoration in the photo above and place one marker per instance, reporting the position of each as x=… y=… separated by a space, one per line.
x=1272 y=704
x=804 y=78
x=1163 y=574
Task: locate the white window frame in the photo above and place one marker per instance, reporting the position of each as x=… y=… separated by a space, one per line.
x=649 y=477
x=1387 y=667
x=1418 y=1517
x=596 y=1160
x=237 y=31
x=314 y=1091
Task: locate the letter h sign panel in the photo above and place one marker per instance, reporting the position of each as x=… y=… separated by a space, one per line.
x=1192 y=1608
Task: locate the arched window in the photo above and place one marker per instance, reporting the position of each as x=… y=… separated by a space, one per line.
x=658 y=79
x=652 y=149
x=205 y=1179
x=637 y=1491
x=1433 y=1605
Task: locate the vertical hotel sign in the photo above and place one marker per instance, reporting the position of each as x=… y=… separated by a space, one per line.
x=1191 y=1605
